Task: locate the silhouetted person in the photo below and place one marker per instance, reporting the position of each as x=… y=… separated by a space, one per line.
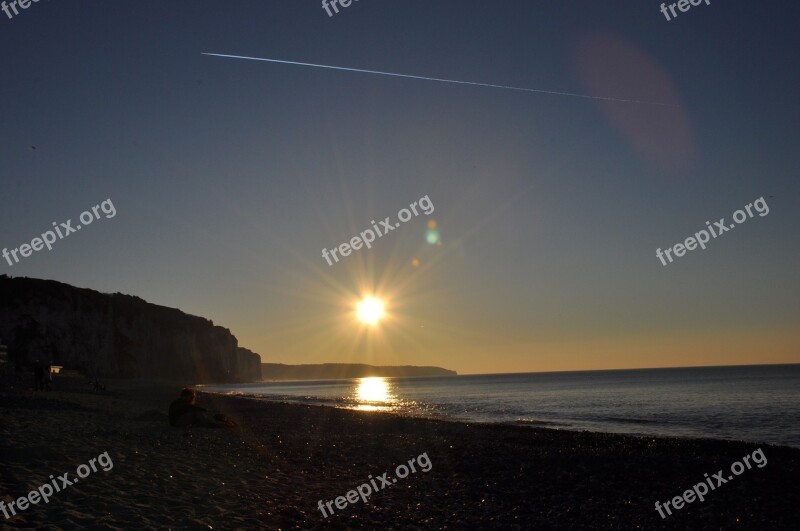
x=48 y=376
x=184 y=411
x=38 y=376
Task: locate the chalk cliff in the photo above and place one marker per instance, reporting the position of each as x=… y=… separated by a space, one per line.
x=118 y=336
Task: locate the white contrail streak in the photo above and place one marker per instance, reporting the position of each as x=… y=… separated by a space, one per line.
x=587 y=96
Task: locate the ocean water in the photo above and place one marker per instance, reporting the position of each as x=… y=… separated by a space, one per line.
x=759 y=404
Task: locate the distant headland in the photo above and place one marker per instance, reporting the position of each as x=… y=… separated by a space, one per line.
x=335 y=371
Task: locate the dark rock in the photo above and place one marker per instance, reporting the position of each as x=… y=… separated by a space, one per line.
x=116 y=336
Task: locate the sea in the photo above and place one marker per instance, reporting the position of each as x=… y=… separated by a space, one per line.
x=756 y=403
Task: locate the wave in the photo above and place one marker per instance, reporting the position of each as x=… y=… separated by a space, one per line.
x=537 y=422
x=624 y=420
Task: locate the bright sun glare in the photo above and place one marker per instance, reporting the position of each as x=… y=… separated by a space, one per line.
x=374 y=394
x=370 y=310
x=373 y=389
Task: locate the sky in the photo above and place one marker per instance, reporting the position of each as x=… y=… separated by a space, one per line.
x=230 y=176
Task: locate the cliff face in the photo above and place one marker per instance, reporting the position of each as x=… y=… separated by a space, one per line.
x=116 y=336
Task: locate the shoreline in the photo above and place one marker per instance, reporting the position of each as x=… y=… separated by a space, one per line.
x=523 y=423
x=273 y=469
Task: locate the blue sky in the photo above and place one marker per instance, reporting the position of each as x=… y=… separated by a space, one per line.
x=230 y=176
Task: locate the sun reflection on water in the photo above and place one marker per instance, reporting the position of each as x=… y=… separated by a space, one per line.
x=374 y=394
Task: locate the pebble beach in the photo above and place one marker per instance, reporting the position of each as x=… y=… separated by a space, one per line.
x=271 y=471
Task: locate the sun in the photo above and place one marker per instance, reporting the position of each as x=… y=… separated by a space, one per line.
x=370 y=310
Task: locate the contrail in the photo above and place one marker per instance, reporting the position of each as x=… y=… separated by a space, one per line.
x=586 y=96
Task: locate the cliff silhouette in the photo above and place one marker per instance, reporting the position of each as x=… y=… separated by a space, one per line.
x=116 y=335
x=333 y=371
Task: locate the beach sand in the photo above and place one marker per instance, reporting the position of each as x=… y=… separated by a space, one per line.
x=270 y=472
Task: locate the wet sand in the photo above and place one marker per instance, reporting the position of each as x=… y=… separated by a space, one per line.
x=270 y=472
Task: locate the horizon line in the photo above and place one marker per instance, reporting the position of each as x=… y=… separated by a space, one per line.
x=508 y=373
x=632 y=369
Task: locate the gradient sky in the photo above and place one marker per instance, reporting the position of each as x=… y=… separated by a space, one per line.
x=230 y=176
